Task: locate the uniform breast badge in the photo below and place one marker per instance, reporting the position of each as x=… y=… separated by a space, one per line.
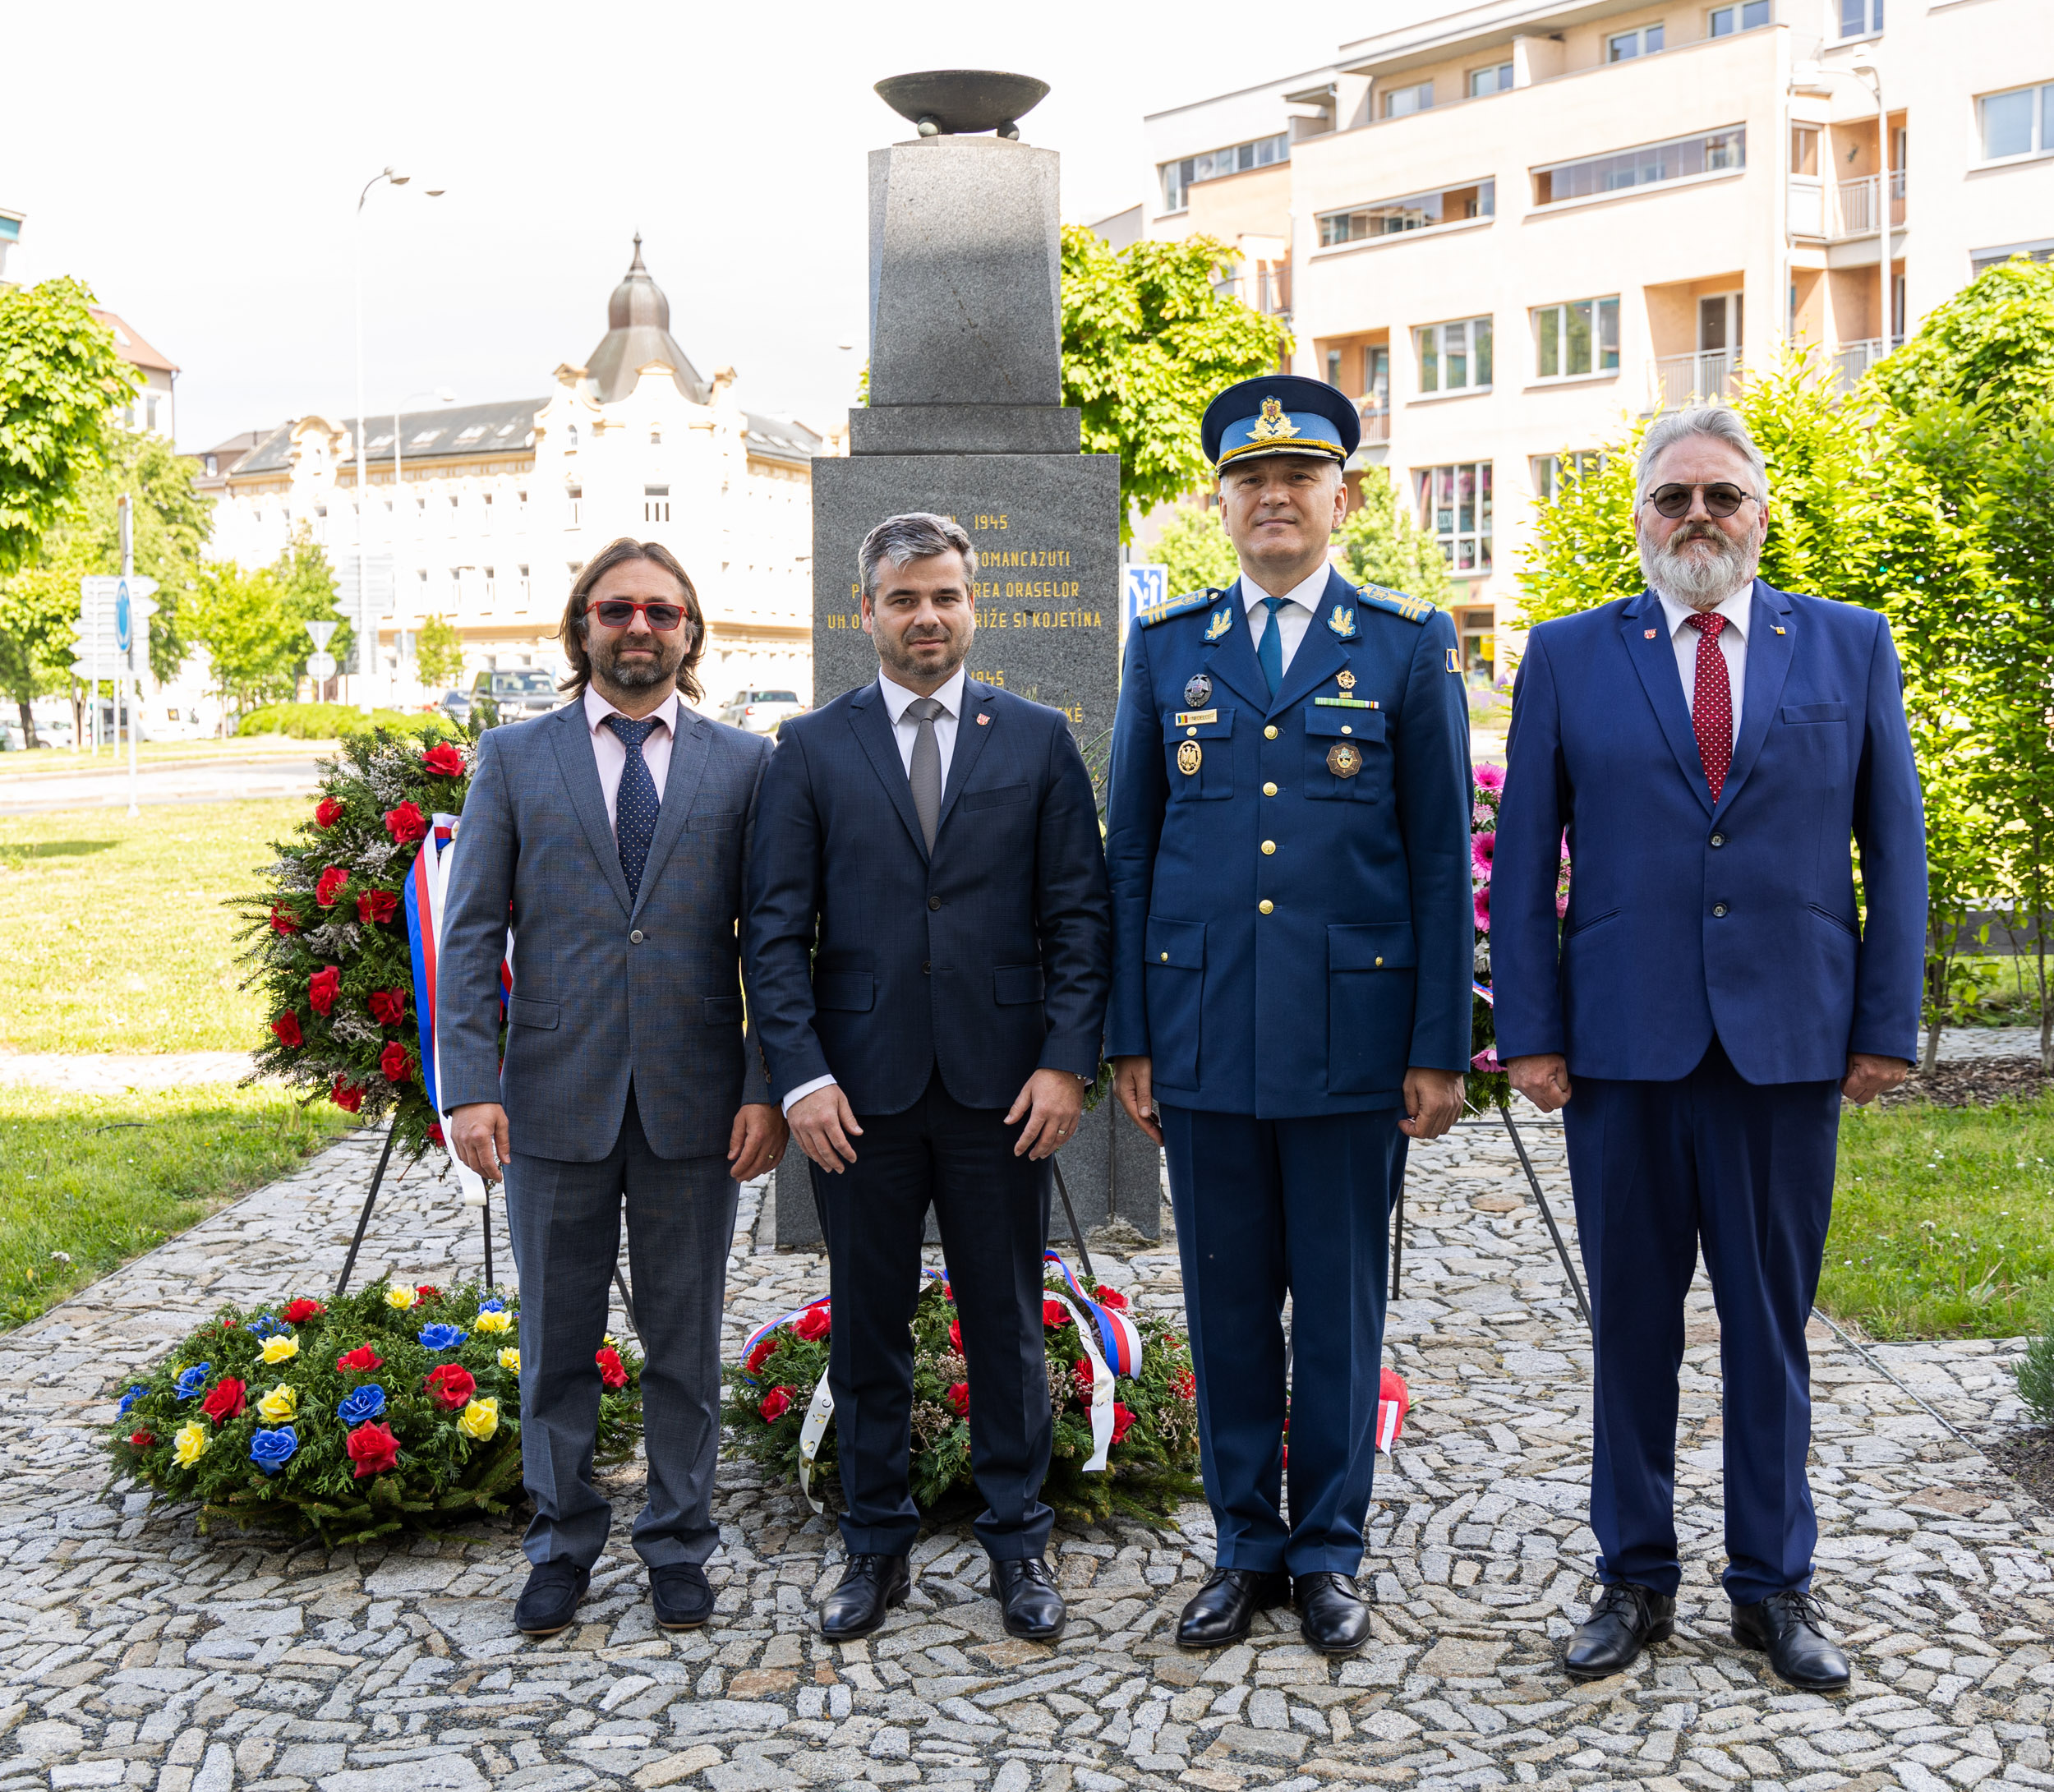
x=1223 y=620
x=1345 y=679
x=1196 y=689
x=1454 y=663
x=1190 y=756
x=1343 y=622
x=1344 y=759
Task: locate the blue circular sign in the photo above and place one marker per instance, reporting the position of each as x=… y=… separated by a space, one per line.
x=121 y=621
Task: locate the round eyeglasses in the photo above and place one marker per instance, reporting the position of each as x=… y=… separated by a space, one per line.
x=1721 y=499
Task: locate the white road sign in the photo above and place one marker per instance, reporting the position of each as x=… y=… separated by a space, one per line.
x=320 y=665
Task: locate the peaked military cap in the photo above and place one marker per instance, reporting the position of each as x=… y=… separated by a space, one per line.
x=1279 y=414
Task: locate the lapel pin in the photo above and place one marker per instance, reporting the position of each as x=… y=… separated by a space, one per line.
x=1772 y=625
x=983 y=721
x=1648 y=636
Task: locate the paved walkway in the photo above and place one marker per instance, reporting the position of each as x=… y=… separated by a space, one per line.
x=133 y=1652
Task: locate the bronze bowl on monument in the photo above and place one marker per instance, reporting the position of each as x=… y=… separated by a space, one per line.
x=960 y=102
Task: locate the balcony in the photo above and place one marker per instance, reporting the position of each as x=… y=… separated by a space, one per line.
x=1677 y=381
x=1850 y=361
x=1840 y=209
x=1267 y=290
x=1376 y=421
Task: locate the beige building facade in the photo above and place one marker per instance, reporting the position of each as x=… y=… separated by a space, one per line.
x=1509 y=229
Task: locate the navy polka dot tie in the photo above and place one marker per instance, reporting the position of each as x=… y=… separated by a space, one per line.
x=635 y=806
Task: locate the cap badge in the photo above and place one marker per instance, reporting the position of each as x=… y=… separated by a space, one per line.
x=1273 y=425
x=1223 y=620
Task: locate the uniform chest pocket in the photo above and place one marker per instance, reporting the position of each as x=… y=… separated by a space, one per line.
x=1817 y=734
x=1198 y=753
x=1347 y=757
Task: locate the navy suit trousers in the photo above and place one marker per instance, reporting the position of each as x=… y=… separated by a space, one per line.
x=1745 y=1170
x=1266 y=1209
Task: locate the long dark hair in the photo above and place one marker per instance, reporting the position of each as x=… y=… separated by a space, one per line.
x=571 y=631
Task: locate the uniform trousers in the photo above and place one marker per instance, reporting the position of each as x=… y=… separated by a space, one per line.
x=992 y=1209
x=1266 y=1209
x=1745 y=1170
x=565 y=1223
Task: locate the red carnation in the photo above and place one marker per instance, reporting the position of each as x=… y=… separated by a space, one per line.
x=322 y=989
x=391 y=1063
x=427 y=1292
x=610 y=1369
x=373 y=1448
x=328 y=812
x=283 y=922
x=141 y=1439
x=960 y=1399
x=1054 y=1313
x=329 y=891
x=1184 y=1384
x=377 y=905
x=361 y=1361
x=388 y=1006
x=955 y=1335
x=300 y=1311
x=775 y=1405
x=1111 y=1299
x=349 y=1096
x=444 y=761
x=434 y=1132
x=1083 y=1375
x=1123 y=1421
x=405 y=824
x=287 y=1027
x=451 y=1386
x=225 y=1402
x=761 y=1355
x=813 y=1323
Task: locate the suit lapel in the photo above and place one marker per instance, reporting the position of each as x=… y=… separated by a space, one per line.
x=1231 y=660
x=970 y=736
x=1761 y=684
x=1318 y=657
x=572 y=740
x=1644 y=628
x=689 y=746
x=872 y=723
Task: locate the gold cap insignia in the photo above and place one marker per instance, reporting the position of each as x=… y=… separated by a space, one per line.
x=1273 y=425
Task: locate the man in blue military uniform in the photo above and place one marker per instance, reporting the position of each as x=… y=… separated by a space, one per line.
x=1288 y=843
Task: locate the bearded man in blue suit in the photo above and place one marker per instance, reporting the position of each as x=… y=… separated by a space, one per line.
x=1710 y=747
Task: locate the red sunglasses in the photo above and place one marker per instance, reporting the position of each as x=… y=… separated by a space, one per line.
x=619 y=613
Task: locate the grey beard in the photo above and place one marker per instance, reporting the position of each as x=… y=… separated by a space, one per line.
x=1702 y=582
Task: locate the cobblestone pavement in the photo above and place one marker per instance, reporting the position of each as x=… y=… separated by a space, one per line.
x=133 y=1651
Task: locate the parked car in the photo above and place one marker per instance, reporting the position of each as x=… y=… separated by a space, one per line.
x=517 y=693
x=761 y=711
x=456 y=705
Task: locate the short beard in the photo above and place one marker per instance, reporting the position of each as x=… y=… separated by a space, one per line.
x=638 y=675
x=1701 y=582
x=896 y=660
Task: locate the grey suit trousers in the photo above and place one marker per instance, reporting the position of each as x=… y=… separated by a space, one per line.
x=566 y=1222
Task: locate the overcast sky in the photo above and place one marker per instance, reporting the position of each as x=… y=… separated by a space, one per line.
x=199 y=170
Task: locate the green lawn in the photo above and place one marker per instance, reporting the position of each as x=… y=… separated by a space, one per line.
x=1943 y=1220
x=44 y=764
x=87 y=1182
x=114 y=932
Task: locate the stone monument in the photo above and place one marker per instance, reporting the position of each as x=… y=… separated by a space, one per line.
x=966 y=418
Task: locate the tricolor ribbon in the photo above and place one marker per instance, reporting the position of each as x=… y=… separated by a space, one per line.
x=1483 y=993
x=1119 y=1340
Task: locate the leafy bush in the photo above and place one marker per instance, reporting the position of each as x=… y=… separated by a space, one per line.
x=332 y=721
x=395 y=1408
x=2035 y=1369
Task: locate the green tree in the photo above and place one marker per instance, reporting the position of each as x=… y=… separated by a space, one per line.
x=1147 y=342
x=1194 y=552
x=1380 y=545
x=253 y=624
x=437 y=651
x=38 y=617
x=1993 y=341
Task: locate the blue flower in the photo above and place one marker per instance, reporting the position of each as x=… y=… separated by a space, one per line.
x=366 y=1403
x=493 y=1306
x=193 y=1380
x=440 y=1337
x=272 y=1450
x=129 y=1399
x=264 y=1325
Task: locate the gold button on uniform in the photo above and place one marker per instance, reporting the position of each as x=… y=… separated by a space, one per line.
x=1269 y=790
x=1270 y=732
x=1346 y=730
x=1166 y=958
x=1379 y=962
x=1267 y=906
x=1269 y=845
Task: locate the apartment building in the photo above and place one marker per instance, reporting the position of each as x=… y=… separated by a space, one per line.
x=1507 y=229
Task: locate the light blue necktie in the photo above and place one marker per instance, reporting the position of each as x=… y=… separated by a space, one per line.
x=1269 y=650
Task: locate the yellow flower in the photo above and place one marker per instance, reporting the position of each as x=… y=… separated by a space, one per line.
x=402 y=1298
x=510 y=1361
x=280 y=1406
x=610 y=1341
x=480 y=1419
x=281 y=1349
x=495 y=1322
x=190 y=1444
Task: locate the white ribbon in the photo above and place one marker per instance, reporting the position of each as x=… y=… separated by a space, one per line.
x=811 y=1431
x=1101 y=1388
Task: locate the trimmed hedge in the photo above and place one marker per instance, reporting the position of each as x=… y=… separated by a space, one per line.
x=331 y=721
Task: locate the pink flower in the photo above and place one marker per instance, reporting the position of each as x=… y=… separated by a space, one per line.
x=1486 y=1061
x=1489 y=777
x=1483 y=910
x=1482 y=849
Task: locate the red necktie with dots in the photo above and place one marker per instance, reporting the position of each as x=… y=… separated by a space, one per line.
x=1712 y=704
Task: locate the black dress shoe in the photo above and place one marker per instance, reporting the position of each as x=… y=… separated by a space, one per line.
x=548 y=1602
x=1622 y=1622
x=1333 y=1617
x=1027 y=1591
x=871 y=1585
x=1790 y=1626
x=1221 y=1610
x=679 y=1592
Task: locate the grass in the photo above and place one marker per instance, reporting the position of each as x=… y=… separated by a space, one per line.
x=1943 y=1220
x=86 y=1182
x=44 y=764
x=116 y=928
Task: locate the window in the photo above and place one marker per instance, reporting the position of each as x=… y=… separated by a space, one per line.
x=1980 y=259
x=656 y=503
x=150 y=412
x=1490 y=81
x=656 y=435
x=1179 y=176
x=1746 y=17
x=491 y=588
x=1454 y=357
x=1860 y=17
x=2021 y=122
x=520 y=500
x=1627 y=44
x=570 y=438
x=1804 y=150
x=524 y=587
x=1713 y=152
x=1551 y=472
x=1418 y=211
x=1454 y=504
x=1581 y=337
x=574 y=497
x=1402 y=102
x=1333 y=368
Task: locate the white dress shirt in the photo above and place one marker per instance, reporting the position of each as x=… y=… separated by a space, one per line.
x=608 y=748
x=1733 y=642
x=1301 y=605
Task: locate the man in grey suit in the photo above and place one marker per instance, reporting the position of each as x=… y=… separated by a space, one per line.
x=611 y=835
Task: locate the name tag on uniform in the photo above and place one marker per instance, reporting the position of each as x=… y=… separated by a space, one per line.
x=1342 y=702
x=1195 y=718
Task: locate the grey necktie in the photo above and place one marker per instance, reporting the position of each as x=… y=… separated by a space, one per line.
x=927 y=766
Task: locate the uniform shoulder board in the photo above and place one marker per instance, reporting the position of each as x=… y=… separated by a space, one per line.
x=1414 y=610
x=1175 y=606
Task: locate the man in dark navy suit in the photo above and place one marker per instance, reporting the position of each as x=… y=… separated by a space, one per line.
x=937 y=837
x=1710 y=747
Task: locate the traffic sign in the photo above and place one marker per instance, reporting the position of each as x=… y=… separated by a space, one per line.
x=322 y=633
x=320 y=666
x=122 y=623
x=1144 y=587
x=377 y=577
